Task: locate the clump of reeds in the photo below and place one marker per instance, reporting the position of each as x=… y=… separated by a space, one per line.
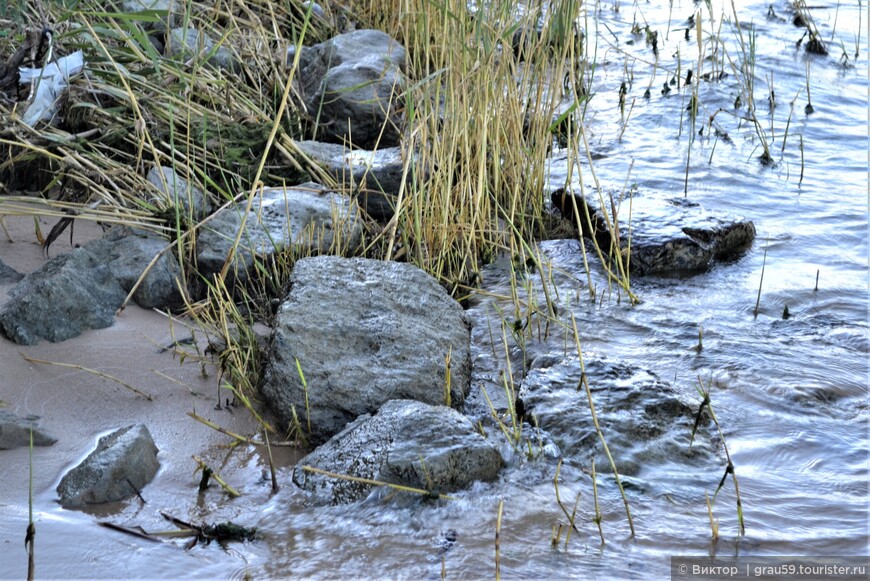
x=745 y=74
x=481 y=115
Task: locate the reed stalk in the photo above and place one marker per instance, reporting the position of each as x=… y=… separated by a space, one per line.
x=584 y=383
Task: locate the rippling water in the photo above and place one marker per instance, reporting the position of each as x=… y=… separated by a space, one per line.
x=790 y=395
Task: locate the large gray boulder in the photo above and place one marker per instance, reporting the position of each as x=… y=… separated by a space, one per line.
x=351 y=85
x=376 y=176
x=310 y=218
x=672 y=236
x=122 y=464
x=69 y=294
x=364 y=332
x=433 y=448
x=15 y=432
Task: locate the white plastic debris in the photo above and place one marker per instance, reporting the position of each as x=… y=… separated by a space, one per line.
x=51 y=81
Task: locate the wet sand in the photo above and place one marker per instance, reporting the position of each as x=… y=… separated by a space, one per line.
x=77 y=407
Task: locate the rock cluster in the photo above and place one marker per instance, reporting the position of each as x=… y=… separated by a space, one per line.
x=365 y=358
x=369 y=361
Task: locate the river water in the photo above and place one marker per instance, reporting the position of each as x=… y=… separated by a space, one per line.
x=790 y=394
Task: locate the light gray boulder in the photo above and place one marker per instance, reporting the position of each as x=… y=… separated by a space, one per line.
x=15 y=432
x=351 y=86
x=67 y=295
x=170 y=7
x=178 y=192
x=375 y=176
x=310 y=218
x=673 y=236
x=364 y=332
x=188 y=43
x=409 y=443
x=122 y=464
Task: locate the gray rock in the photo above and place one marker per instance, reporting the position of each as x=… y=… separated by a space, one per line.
x=187 y=43
x=309 y=217
x=667 y=236
x=15 y=432
x=167 y=6
x=123 y=462
x=643 y=419
x=9 y=275
x=409 y=443
x=127 y=252
x=350 y=85
x=316 y=9
x=364 y=332
x=83 y=289
x=376 y=176
x=67 y=295
x=179 y=193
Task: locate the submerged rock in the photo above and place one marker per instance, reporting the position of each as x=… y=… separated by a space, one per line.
x=364 y=332
x=122 y=464
x=15 y=432
x=376 y=176
x=643 y=418
x=310 y=217
x=409 y=443
x=351 y=85
x=664 y=236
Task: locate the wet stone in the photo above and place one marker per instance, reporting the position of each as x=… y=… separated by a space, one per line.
x=309 y=217
x=351 y=84
x=122 y=464
x=8 y=274
x=363 y=332
x=178 y=192
x=15 y=431
x=376 y=176
x=665 y=236
x=167 y=6
x=127 y=253
x=83 y=289
x=643 y=419
x=187 y=43
x=409 y=443
x=66 y=296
